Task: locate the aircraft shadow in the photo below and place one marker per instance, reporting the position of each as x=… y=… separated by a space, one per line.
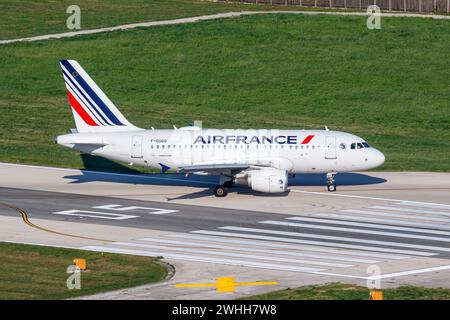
x=342 y=179
x=101 y=169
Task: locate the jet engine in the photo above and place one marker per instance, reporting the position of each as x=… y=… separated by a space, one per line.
x=265 y=180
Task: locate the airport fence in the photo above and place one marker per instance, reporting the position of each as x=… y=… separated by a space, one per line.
x=420 y=6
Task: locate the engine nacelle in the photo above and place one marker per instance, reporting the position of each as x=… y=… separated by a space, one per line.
x=268 y=180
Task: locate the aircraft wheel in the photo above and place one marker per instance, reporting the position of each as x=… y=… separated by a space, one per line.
x=220 y=191
x=331 y=187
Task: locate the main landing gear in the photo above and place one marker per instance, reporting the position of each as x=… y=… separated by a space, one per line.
x=331 y=186
x=221 y=190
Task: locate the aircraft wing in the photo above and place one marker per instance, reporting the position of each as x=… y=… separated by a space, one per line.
x=214 y=167
x=223 y=168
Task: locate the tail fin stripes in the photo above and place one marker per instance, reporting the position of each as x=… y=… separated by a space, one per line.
x=79 y=109
x=83 y=100
x=93 y=111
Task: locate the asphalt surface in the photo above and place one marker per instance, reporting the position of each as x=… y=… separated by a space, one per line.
x=395 y=221
x=421 y=239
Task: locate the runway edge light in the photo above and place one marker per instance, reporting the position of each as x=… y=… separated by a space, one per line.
x=376 y=295
x=80 y=263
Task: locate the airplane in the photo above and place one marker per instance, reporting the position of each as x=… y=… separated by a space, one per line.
x=261 y=159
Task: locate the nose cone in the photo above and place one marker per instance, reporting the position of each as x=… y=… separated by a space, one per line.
x=378 y=158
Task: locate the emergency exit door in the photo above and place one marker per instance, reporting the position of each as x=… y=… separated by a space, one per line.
x=136 y=147
x=330 y=150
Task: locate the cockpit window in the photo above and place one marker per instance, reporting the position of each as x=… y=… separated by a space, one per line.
x=359 y=145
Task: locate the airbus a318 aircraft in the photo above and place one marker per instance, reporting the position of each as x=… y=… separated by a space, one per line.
x=261 y=159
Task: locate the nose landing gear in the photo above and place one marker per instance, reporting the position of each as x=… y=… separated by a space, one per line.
x=331 y=186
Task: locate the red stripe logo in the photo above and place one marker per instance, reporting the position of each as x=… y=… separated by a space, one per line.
x=79 y=109
x=308 y=139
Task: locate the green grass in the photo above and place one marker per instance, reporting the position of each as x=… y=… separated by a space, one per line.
x=23 y=18
x=36 y=272
x=339 y=291
x=390 y=86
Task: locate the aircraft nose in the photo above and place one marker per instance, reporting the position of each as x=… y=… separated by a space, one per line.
x=379 y=158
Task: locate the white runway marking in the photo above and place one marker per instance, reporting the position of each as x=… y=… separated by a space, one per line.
x=232 y=254
x=332 y=194
x=252 y=249
x=118 y=207
x=203 y=259
x=359 y=218
x=411 y=272
x=410 y=210
x=314 y=242
x=395 y=215
x=316 y=236
x=425 y=205
x=95 y=214
x=288 y=246
x=354 y=230
x=368 y=225
x=205 y=17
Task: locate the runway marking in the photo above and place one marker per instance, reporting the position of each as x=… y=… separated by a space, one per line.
x=366 y=197
x=119 y=207
x=359 y=218
x=354 y=230
x=308 y=235
x=232 y=254
x=369 y=225
x=319 y=243
x=275 y=252
x=234 y=262
x=395 y=215
x=224 y=284
x=288 y=246
x=28 y=222
x=95 y=214
x=425 y=205
x=409 y=210
x=264 y=265
x=411 y=272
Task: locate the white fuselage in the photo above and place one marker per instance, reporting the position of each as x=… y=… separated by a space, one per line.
x=296 y=151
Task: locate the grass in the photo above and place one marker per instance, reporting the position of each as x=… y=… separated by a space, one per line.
x=340 y=291
x=390 y=86
x=37 y=272
x=24 y=18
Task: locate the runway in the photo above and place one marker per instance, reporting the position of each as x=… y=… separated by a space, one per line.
x=312 y=237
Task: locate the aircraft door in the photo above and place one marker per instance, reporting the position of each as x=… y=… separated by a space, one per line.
x=330 y=151
x=136 y=147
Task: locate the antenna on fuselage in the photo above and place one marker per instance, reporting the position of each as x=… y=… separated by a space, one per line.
x=326 y=128
x=174 y=127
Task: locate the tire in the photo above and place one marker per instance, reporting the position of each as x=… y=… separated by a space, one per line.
x=331 y=187
x=220 y=191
